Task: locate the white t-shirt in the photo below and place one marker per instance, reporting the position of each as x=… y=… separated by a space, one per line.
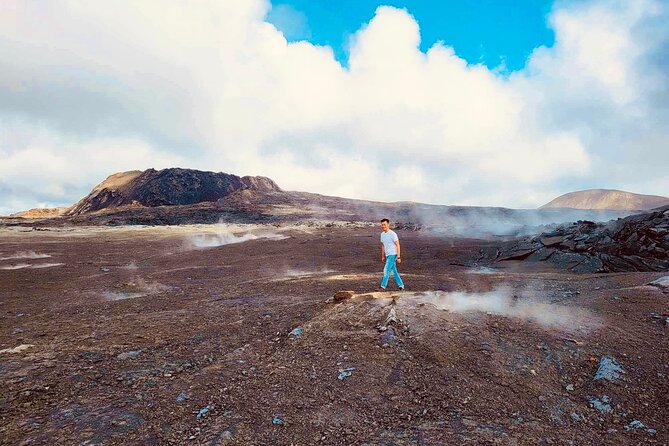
x=388 y=239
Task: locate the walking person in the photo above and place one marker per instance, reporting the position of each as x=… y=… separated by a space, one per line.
x=390 y=255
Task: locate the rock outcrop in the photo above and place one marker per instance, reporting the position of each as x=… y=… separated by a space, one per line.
x=607 y=199
x=636 y=243
x=167 y=187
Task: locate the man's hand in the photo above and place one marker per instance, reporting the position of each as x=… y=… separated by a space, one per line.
x=383 y=260
x=399 y=260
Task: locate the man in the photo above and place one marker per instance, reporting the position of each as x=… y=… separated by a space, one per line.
x=390 y=254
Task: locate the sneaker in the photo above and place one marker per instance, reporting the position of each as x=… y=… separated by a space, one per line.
x=380 y=289
x=401 y=288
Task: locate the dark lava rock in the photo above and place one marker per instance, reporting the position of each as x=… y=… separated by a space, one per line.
x=167 y=187
x=636 y=243
x=389 y=336
x=550 y=241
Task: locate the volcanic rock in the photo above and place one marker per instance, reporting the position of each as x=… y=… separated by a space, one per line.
x=167 y=187
x=550 y=241
x=636 y=243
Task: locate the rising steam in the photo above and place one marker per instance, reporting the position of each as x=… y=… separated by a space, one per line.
x=504 y=301
x=227 y=237
x=26 y=255
x=484 y=222
x=138 y=287
x=27 y=265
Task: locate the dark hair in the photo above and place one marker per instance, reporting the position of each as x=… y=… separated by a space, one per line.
x=386 y=220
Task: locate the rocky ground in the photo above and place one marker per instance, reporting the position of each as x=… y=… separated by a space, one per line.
x=169 y=336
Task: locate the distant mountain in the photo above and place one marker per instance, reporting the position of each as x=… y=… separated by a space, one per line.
x=40 y=213
x=185 y=196
x=167 y=187
x=607 y=199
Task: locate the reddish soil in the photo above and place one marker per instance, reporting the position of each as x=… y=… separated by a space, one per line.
x=139 y=339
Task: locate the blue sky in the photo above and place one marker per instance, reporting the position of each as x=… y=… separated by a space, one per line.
x=491 y=32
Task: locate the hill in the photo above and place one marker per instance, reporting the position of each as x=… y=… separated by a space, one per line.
x=607 y=199
x=185 y=196
x=40 y=213
x=167 y=187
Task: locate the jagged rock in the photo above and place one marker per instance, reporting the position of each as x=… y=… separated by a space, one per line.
x=567 y=260
x=550 y=241
x=635 y=243
x=541 y=254
x=520 y=251
x=588 y=265
x=518 y=255
x=570 y=244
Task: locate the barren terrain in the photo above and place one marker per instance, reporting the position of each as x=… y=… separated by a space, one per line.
x=196 y=335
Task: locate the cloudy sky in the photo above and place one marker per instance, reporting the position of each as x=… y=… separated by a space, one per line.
x=472 y=103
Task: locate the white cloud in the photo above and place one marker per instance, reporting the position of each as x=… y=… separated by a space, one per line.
x=49 y=167
x=606 y=80
x=100 y=87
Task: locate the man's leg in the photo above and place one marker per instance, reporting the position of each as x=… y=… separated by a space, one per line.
x=390 y=262
x=396 y=274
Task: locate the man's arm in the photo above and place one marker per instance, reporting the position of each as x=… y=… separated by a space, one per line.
x=383 y=253
x=397 y=245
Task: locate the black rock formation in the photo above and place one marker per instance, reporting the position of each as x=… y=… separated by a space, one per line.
x=635 y=243
x=167 y=187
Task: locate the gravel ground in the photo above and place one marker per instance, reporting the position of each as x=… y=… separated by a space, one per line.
x=126 y=336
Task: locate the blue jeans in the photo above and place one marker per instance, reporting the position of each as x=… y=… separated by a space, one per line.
x=391 y=267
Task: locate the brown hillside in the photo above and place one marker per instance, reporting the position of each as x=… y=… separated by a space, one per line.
x=607 y=199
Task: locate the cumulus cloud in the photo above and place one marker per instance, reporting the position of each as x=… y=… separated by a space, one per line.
x=101 y=87
x=605 y=81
